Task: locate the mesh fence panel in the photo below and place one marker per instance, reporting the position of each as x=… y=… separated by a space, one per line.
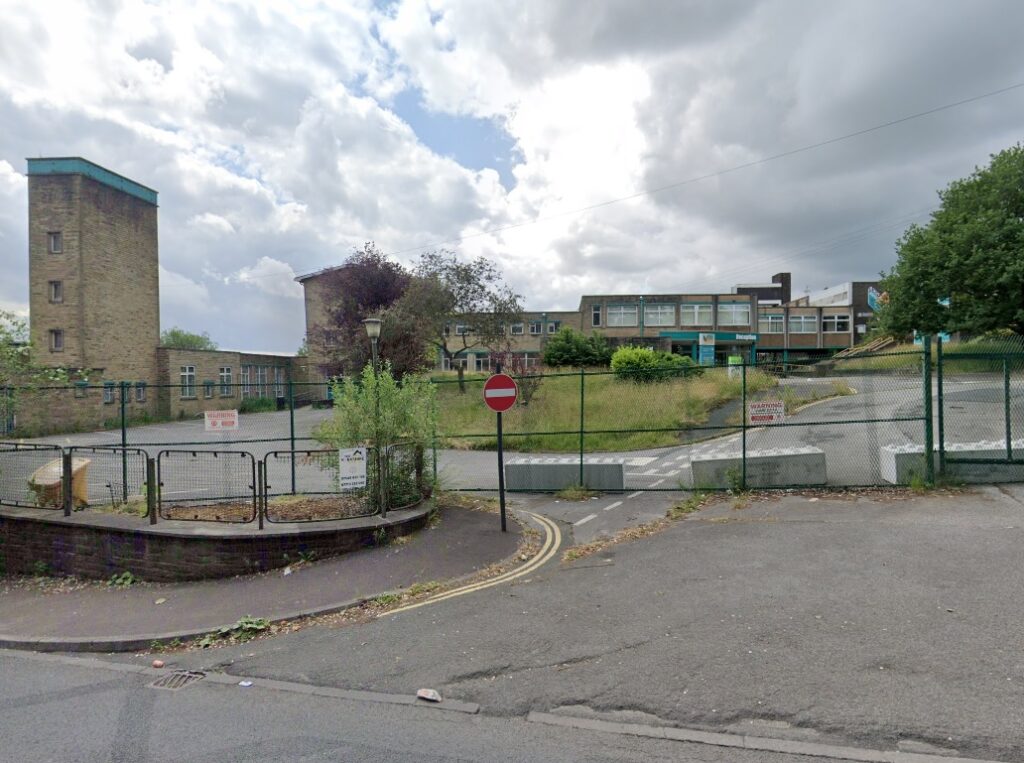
x=214 y=486
x=114 y=477
x=318 y=493
x=30 y=475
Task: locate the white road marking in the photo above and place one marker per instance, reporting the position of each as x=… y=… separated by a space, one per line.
x=673 y=473
x=612 y=506
x=651 y=471
x=584 y=520
x=657 y=483
x=634 y=495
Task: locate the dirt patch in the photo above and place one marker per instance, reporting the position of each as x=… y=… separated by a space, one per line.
x=214 y=512
x=305 y=509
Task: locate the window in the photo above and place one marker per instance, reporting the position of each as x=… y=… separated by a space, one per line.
x=595 y=315
x=803 y=324
x=278 y=381
x=770 y=324
x=56 y=291
x=261 y=381
x=244 y=377
x=622 y=315
x=81 y=388
x=140 y=392
x=108 y=392
x=188 y=381
x=461 y=329
x=659 y=315
x=733 y=313
x=836 y=323
x=553 y=326
x=695 y=314
x=517 y=329
x=56 y=340
x=225 y=381
x=55 y=242
x=535 y=328
x=207 y=389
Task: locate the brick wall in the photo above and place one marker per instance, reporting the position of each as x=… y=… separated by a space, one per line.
x=100 y=546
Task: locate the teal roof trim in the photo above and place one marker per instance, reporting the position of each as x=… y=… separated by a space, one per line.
x=74 y=165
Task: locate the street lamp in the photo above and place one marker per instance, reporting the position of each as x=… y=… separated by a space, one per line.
x=373 y=331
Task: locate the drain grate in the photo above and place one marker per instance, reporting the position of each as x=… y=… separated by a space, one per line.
x=179 y=679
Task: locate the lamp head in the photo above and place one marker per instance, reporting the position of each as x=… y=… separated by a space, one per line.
x=372 y=327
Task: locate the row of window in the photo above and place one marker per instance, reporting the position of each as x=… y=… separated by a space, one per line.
x=536 y=328
x=110 y=391
x=804 y=324
x=254 y=381
x=690 y=314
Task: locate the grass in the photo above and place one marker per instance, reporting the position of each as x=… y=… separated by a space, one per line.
x=552 y=420
x=575 y=493
x=958 y=357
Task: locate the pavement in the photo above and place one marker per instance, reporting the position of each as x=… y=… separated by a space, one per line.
x=881 y=622
x=92 y=616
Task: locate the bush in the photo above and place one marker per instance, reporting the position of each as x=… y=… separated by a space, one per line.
x=257 y=405
x=643 y=365
x=572 y=348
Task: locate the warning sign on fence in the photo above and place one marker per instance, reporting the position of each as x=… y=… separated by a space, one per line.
x=351 y=468
x=767 y=412
x=221 y=421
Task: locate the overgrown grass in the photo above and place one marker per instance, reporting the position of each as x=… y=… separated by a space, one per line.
x=551 y=422
x=958 y=357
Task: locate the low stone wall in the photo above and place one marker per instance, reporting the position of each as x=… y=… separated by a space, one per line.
x=97 y=546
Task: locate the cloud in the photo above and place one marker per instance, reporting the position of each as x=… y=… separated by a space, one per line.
x=274 y=138
x=272 y=276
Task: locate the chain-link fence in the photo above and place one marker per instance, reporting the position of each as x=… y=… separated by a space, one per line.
x=859 y=420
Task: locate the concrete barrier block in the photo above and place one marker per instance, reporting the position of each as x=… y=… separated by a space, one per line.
x=775 y=467
x=557 y=473
x=899 y=464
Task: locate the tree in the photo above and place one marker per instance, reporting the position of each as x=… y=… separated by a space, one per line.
x=572 y=348
x=964 y=270
x=458 y=306
x=19 y=370
x=366 y=285
x=179 y=339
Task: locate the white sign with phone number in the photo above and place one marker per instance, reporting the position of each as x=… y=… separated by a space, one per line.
x=351 y=468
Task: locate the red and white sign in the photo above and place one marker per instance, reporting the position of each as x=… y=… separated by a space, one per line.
x=500 y=392
x=767 y=412
x=221 y=421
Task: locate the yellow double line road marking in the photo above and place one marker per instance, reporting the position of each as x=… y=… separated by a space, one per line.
x=552 y=541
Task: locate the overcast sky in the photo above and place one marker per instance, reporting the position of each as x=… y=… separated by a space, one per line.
x=281 y=135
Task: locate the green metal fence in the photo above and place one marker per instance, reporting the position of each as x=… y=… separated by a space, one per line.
x=857 y=421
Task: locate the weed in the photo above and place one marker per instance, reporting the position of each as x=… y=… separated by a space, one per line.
x=40 y=568
x=417 y=589
x=734 y=479
x=689 y=506
x=385 y=599
x=122 y=580
x=244 y=629
x=380 y=536
x=576 y=493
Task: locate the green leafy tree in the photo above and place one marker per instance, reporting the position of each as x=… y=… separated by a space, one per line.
x=458 y=306
x=571 y=348
x=964 y=270
x=179 y=339
x=19 y=369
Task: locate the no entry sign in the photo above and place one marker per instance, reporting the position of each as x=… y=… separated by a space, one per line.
x=500 y=392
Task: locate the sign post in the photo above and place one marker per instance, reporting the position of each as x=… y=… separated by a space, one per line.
x=706 y=347
x=500 y=393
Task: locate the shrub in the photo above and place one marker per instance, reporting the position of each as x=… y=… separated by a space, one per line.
x=643 y=365
x=257 y=405
x=572 y=348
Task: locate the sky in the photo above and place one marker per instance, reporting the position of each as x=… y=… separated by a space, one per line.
x=623 y=146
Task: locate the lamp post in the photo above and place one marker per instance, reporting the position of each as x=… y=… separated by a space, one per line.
x=373 y=331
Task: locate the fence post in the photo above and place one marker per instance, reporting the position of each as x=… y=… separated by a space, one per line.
x=261 y=493
x=929 y=432
x=125 y=387
x=151 y=490
x=743 y=414
x=583 y=379
x=1006 y=407
x=65 y=478
x=382 y=464
x=942 y=406
x=291 y=423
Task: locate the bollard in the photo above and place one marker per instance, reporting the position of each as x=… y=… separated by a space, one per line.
x=65 y=477
x=151 y=490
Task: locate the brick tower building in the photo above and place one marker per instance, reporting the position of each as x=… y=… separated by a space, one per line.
x=93 y=270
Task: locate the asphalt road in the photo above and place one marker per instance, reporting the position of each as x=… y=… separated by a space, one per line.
x=75 y=712
x=885 y=624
